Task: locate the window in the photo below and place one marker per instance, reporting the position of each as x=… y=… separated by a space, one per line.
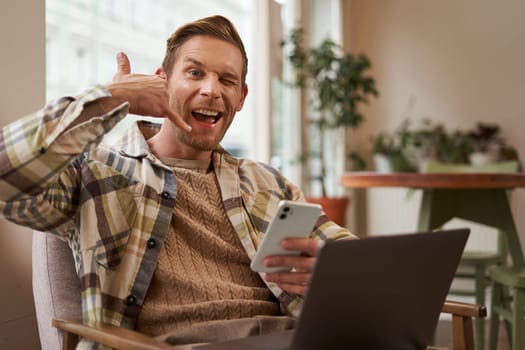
x=83 y=37
x=320 y=19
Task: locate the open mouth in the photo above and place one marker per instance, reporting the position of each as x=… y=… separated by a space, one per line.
x=206 y=116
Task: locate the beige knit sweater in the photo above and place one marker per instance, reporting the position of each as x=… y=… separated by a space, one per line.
x=203 y=272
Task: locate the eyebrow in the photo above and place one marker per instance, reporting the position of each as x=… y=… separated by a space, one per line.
x=194 y=61
x=224 y=74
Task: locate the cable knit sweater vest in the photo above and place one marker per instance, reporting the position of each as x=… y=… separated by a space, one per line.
x=203 y=272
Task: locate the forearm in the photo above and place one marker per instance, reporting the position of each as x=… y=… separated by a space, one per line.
x=100 y=106
x=39 y=177
x=36 y=148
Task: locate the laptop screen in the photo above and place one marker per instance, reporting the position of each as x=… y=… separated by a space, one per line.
x=381 y=292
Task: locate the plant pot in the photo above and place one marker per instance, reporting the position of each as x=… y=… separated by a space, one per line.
x=335 y=208
x=391 y=163
x=382 y=163
x=482 y=158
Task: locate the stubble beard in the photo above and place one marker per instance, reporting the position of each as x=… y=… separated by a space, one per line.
x=201 y=144
x=196 y=143
x=185 y=137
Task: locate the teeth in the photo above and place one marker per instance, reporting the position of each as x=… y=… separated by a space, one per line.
x=207 y=112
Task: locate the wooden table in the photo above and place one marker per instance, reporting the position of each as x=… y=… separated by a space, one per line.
x=479 y=197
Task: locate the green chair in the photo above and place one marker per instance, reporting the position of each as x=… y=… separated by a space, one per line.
x=508 y=302
x=474 y=265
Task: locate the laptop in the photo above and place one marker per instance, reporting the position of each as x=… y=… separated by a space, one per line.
x=379 y=292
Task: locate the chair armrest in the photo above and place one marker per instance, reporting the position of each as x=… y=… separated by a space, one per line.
x=462 y=330
x=464 y=309
x=109 y=335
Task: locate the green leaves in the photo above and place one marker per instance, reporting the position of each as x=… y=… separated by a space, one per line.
x=337 y=80
x=337 y=83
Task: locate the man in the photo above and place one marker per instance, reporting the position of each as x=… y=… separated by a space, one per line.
x=163 y=225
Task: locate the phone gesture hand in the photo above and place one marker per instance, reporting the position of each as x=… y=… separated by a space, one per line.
x=147 y=94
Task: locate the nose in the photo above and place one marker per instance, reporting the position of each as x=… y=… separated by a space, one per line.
x=210 y=87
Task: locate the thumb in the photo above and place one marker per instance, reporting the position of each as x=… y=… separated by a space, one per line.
x=123 y=65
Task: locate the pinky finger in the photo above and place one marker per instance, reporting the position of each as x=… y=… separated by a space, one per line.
x=177 y=120
x=297 y=289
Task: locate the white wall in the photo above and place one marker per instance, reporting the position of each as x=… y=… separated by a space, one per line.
x=458 y=62
x=22 y=72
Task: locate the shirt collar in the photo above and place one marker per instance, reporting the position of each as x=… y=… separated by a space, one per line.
x=134 y=143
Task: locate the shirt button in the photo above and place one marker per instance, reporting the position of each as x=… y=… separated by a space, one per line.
x=165 y=195
x=152 y=243
x=131 y=300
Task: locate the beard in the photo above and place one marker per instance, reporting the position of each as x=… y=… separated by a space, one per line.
x=198 y=143
x=202 y=143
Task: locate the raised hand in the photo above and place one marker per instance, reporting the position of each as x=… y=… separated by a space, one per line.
x=147 y=94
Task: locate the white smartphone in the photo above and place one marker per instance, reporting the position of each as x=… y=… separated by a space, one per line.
x=292 y=219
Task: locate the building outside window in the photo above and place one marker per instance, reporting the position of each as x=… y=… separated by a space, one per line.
x=84 y=36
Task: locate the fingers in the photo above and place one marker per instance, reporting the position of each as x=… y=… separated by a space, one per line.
x=307 y=246
x=295 y=278
x=169 y=112
x=296 y=262
x=299 y=267
x=147 y=94
x=291 y=282
x=176 y=119
x=296 y=289
x=123 y=65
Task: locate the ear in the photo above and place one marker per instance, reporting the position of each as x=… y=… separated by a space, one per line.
x=161 y=73
x=244 y=93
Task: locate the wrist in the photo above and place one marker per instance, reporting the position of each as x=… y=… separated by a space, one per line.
x=107 y=104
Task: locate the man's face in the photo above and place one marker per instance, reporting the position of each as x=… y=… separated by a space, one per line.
x=205 y=88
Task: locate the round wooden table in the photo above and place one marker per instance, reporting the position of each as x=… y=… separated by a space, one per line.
x=364 y=179
x=478 y=197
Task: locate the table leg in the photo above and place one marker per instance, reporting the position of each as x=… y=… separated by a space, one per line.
x=489 y=207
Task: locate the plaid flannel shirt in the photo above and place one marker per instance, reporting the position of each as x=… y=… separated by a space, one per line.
x=114 y=205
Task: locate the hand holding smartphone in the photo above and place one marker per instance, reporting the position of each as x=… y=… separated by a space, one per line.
x=292 y=219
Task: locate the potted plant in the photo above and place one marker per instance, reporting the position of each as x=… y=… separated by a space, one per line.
x=337 y=84
x=486 y=143
x=409 y=148
x=388 y=150
x=432 y=142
